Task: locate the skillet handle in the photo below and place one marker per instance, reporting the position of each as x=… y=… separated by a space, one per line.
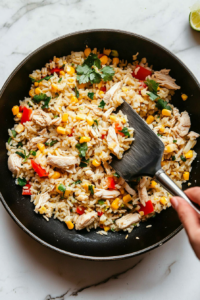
x=172 y=188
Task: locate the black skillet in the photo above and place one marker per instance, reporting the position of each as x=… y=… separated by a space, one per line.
x=54 y=234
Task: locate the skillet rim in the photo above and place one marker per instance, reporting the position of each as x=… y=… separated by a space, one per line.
x=74 y=255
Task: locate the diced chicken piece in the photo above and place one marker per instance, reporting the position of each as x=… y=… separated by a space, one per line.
x=142 y=190
x=128 y=220
x=163 y=78
x=41 y=118
x=85 y=220
x=63 y=162
x=112 y=141
x=112 y=91
x=107 y=114
x=183 y=125
x=89 y=173
x=94 y=132
x=105 y=194
x=129 y=189
x=32 y=144
x=82 y=197
x=176 y=112
x=56 y=121
x=97 y=111
x=42 y=199
x=193 y=135
x=14 y=163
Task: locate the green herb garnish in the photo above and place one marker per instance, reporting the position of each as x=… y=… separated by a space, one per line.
x=19 y=144
x=51 y=143
x=9 y=140
x=76 y=92
x=95 y=121
x=152 y=96
x=183 y=158
x=60 y=80
x=173 y=157
x=152 y=85
x=114 y=53
x=113 y=230
x=108 y=73
x=62 y=188
x=14 y=133
x=82 y=148
x=102 y=104
x=158 y=134
x=84 y=163
x=91 y=189
x=44 y=98
x=21 y=181
x=76 y=182
x=116 y=175
x=162 y=104
x=125 y=131
x=91 y=95
x=174 y=141
x=32 y=153
x=21 y=154
x=101 y=202
x=45 y=78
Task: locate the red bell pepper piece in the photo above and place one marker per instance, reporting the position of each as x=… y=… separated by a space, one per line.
x=26 y=114
x=100 y=55
x=117 y=128
x=100 y=213
x=21 y=108
x=142 y=73
x=111 y=183
x=38 y=169
x=26 y=191
x=103 y=136
x=142 y=84
x=71 y=132
x=55 y=70
x=80 y=210
x=148 y=208
x=103 y=88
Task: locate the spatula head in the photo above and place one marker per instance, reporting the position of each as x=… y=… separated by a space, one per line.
x=145 y=154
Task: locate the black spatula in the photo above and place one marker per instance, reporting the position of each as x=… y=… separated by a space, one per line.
x=144 y=156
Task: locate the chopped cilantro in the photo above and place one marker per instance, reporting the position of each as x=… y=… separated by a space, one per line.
x=76 y=92
x=91 y=95
x=91 y=189
x=44 y=98
x=62 y=188
x=60 y=80
x=101 y=202
x=174 y=141
x=95 y=121
x=19 y=144
x=32 y=153
x=55 y=116
x=158 y=134
x=32 y=79
x=116 y=175
x=114 y=53
x=86 y=74
x=21 y=154
x=76 y=182
x=45 y=78
x=92 y=60
x=21 y=181
x=102 y=104
x=84 y=163
x=173 y=157
x=113 y=230
x=125 y=131
x=51 y=143
x=82 y=148
x=162 y=104
x=9 y=140
x=108 y=73
x=14 y=133
x=183 y=158
x=152 y=96
x=152 y=85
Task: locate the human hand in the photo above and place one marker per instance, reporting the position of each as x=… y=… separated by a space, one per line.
x=189 y=217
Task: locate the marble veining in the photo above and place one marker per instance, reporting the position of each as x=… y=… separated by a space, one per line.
x=31 y=271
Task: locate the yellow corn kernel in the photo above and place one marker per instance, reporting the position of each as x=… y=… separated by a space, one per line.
x=122 y=191
x=82 y=85
x=38 y=153
x=141 y=213
x=80 y=117
x=31 y=93
x=169 y=148
x=184 y=97
x=70 y=70
x=153 y=184
x=87 y=52
x=166 y=112
x=90 y=121
x=74 y=99
x=113 y=118
x=67 y=193
x=104 y=59
x=84 y=139
x=150 y=119
x=42 y=210
x=189 y=154
x=163 y=200
x=158 y=89
x=41 y=147
x=112 y=146
x=101 y=94
x=62 y=73
x=69 y=224
x=65 y=117
x=96 y=163
x=85 y=186
x=115 y=61
x=19 y=128
x=55 y=175
x=123 y=120
x=15 y=110
x=40 y=83
x=173 y=173
x=61 y=130
x=163 y=163
x=162 y=128
x=186 y=175
x=37 y=91
x=106 y=51
x=106 y=228
x=36 y=84
x=115 y=204
x=124 y=89
x=54 y=87
x=19 y=115
x=127 y=198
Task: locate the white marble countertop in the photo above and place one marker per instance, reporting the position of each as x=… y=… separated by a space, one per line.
x=30 y=271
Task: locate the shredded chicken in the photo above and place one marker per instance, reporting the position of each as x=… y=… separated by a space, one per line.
x=128 y=220
x=41 y=118
x=89 y=173
x=85 y=220
x=163 y=78
x=106 y=194
x=112 y=91
x=142 y=190
x=183 y=125
x=32 y=144
x=129 y=189
x=112 y=140
x=56 y=121
x=97 y=111
x=41 y=200
x=107 y=168
x=63 y=162
x=82 y=197
x=107 y=114
x=193 y=135
x=14 y=163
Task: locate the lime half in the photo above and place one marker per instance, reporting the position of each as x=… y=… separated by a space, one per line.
x=194 y=19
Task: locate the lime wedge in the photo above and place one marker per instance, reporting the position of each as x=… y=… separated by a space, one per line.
x=194 y=19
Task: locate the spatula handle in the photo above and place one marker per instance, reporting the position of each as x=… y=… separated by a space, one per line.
x=172 y=188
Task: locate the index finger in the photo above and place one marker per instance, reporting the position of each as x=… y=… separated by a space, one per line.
x=193 y=194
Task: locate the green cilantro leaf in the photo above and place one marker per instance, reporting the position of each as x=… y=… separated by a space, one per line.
x=173 y=157
x=76 y=92
x=46 y=103
x=162 y=104
x=78 y=182
x=125 y=131
x=21 y=181
x=107 y=73
x=32 y=79
x=152 y=96
x=91 y=189
x=183 y=158
x=9 y=140
x=102 y=104
x=84 y=163
x=19 y=144
x=20 y=154
x=158 y=134
x=113 y=230
x=92 y=60
x=45 y=78
x=174 y=141
x=14 y=133
x=60 y=80
x=95 y=121
x=101 y=202
x=40 y=97
x=152 y=85
x=82 y=148
x=116 y=175
x=32 y=153
x=91 y=95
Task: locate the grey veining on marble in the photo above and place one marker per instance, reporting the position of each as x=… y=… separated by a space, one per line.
x=28 y=270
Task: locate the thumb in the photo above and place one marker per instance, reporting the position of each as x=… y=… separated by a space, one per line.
x=188 y=217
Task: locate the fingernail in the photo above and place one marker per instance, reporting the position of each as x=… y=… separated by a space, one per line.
x=174 y=202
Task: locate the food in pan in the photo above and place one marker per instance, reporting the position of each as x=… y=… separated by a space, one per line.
x=67 y=128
